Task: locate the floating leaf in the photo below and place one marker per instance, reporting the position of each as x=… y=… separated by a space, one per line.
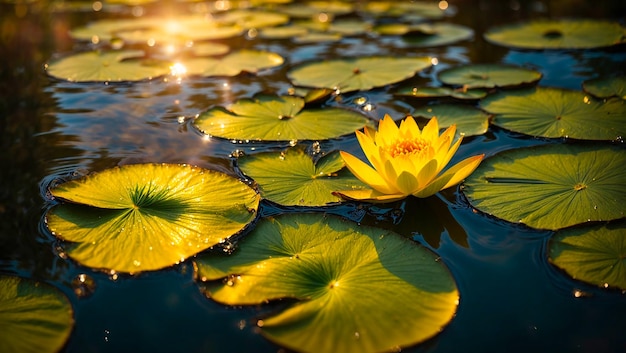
x=283 y=32
x=551 y=186
x=292 y=178
x=233 y=64
x=358 y=288
x=469 y=120
x=438 y=92
x=252 y=19
x=35 y=317
x=427 y=35
x=278 y=118
x=312 y=9
x=596 y=255
x=357 y=73
x=606 y=87
x=488 y=76
x=413 y=9
x=113 y=66
x=557 y=34
x=554 y=112
x=149 y=216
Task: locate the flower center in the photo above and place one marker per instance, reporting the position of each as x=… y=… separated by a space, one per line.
x=405 y=147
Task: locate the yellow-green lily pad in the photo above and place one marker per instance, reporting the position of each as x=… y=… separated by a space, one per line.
x=606 y=87
x=233 y=64
x=413 y=9
x=356 y=74
x=35 y=317
x=469 y=120
x=595 y=255
x=557 y=34
x=488 y=76
x=356 y=288
x=111 y=66
x=278 y=118
x=293 y=178
x=551 y=186
x=427 y=35
x=148 y=216
x=555 y=112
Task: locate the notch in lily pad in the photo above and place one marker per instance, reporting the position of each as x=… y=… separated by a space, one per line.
x=145 y=217
x=356 y=288
x=293 y=178
x=278 y=118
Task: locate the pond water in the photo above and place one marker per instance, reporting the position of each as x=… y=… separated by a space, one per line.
x=512 y=298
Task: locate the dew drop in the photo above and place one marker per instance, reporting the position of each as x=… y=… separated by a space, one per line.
x=83 y=285
x=357 y=335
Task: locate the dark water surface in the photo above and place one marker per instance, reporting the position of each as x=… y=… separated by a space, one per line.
x=512 y=299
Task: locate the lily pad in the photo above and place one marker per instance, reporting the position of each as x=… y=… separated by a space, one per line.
x=557 y=34
x=606 y=87
x=469 y=120
x=439 y=92
x=555 y=112
x=148 y=216
x=488 y=76
x=596 y=255
x=278 y=118
x=413 y=9
x=427 y=35
x=233 y=64
x=551 y=186
x=113 y=66
x=357 y=288
x=251 y=19
x=292 y=178
x=357 y=74
x=35 y=317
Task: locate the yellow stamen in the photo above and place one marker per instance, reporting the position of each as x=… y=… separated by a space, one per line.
x=405 y=147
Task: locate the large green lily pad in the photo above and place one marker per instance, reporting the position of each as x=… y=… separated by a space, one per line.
x=555 y=112
x=596 y=255
x=278 y=118
x=488 y=76
x=606 y=87
x=35 y=317
x=439 y=92
x=357 y=74
x=357 y=288
x=427 y=35
x=557 y=34
x=292 y=178
x=468 y=119
x=551 y=186
x=148 y=216
x=233 y=64
x=112 y=66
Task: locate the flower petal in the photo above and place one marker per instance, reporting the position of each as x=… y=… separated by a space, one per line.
x=409 y=129
x=431 y=131
x=387 y=131
x=370 y=150
x=427 y=174
x=368 y=196
x=462 y=169
x=365 y=173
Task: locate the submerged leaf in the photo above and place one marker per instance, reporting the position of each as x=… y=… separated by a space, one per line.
x=35 y=317
x=551 y=186
x=148 y=216
x=555 y=112
x=557 y=34
x=278 y=118
x=596 y=255
x=292 y=178
x=358 y=288
x=348 y=75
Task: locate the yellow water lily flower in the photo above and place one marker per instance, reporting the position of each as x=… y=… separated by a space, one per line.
x=406 y=161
